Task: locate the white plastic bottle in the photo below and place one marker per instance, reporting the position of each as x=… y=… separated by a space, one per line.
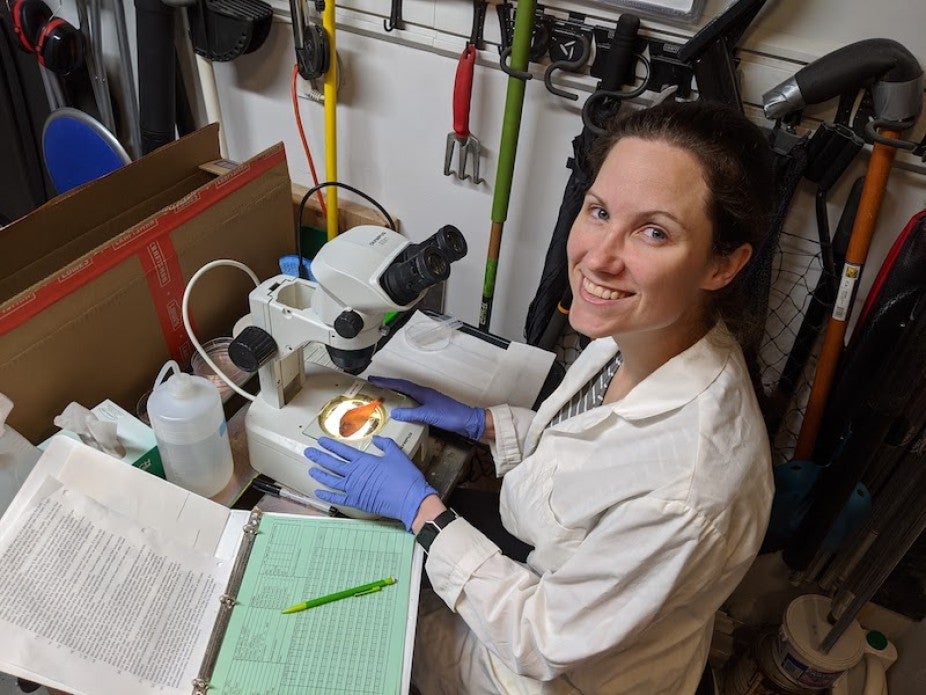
x=189 y=424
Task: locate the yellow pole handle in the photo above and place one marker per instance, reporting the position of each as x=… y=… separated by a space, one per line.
x=331 y=121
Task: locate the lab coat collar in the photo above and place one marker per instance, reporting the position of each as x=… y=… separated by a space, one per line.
x=680 y=380
x=677 y=382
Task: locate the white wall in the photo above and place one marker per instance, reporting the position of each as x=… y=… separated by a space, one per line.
x=395 y=111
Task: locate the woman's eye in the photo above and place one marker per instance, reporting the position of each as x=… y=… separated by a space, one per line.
x=655 y=233
x=598 y=212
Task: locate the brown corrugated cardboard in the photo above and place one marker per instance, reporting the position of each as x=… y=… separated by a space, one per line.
x=91 y=283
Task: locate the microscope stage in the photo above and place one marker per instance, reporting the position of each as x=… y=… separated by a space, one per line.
x=277 y=437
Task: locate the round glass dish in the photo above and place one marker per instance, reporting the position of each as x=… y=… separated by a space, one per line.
x=217 y=349
x=329 y=419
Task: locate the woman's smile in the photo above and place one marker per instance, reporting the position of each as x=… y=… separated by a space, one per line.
x=600 y=292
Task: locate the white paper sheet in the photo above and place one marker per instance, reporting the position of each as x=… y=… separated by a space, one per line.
x=465 y=367
x=91 y=598
x=187 y=518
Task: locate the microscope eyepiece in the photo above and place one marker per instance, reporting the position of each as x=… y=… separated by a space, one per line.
x=405 y=280
x=423 y=265
x=451 y=241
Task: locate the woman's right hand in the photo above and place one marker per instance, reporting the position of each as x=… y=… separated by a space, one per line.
x=436 y=409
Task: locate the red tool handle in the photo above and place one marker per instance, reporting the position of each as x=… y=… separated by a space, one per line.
x=463 y=91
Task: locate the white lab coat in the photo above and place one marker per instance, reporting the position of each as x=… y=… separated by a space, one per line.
x=644 y=515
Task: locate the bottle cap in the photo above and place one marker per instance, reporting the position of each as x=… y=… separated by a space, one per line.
x=180 y=385
x=876 y=640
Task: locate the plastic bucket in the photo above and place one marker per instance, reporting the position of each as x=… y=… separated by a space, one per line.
x=755 y=673
x=796 y=652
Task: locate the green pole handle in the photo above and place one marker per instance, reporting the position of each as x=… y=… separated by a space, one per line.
x=514 y=101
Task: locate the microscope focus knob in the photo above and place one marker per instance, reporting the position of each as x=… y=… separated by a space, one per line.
x=251 y=349
x=348 y=324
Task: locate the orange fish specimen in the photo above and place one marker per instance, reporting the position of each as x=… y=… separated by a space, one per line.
x=355 y=418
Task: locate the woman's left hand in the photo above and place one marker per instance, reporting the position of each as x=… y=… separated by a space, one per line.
x=389 y=485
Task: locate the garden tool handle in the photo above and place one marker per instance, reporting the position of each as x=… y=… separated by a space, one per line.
x=463 y=91
x=873 y=191
x=897 y=77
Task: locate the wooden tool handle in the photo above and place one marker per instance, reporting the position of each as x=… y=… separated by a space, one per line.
x=879 y=169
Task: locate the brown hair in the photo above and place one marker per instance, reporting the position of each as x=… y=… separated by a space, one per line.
x=736 y=159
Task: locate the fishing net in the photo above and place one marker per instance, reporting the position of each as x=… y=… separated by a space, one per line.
x=796 y=268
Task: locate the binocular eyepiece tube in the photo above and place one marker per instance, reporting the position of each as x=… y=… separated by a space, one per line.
x=423 y=265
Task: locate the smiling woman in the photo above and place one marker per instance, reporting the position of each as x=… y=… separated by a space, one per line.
x=643 y=483
x=711 y=165
x=645 y=257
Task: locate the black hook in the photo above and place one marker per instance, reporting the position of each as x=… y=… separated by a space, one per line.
x=597 y=103
x=540 y=32
x=479 y=20
x=395 y=20
x=503 y=11
x=503 y=64
x=573 y=65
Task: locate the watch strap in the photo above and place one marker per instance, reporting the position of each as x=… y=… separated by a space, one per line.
x=431 y=528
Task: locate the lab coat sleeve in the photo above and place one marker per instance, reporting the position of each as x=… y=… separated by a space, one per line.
x=511 y=426
x=643 y=554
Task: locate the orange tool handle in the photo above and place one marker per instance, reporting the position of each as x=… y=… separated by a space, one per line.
x=463 y=91
x=879 y=169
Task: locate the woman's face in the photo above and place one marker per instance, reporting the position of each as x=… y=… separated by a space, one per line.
x=640 y=258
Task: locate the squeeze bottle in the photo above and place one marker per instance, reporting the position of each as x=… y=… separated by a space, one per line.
x=189 y=424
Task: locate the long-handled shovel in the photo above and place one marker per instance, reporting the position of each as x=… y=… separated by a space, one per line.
x=511 y=125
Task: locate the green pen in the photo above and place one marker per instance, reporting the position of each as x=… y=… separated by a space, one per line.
x=337 y=596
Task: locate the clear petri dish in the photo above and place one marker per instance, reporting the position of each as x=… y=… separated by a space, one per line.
x=329 y=419
x=217 y=349
x=431 y=335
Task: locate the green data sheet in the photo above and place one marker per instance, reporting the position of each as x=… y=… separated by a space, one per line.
x=352 y=646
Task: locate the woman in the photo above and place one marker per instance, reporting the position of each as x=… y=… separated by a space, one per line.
x=644 y=481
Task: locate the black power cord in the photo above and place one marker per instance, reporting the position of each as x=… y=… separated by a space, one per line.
x=305 y=199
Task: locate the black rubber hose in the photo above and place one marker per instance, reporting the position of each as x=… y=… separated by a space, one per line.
x=851 y=66
x=893 y=72
x=154 y=22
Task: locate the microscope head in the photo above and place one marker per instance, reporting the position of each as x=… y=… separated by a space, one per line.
x=360 y=276
x=368 y=272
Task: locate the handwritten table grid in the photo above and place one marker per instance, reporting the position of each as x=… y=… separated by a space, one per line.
x=350 y=646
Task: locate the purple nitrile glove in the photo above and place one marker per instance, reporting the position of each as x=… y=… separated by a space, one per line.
x=389 y=485
x=435 y=409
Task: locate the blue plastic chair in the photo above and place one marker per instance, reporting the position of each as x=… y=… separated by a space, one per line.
x=78 y=149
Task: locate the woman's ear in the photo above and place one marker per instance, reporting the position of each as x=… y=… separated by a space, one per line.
x=725 y=268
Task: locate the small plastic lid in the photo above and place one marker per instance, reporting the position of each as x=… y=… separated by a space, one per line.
x=805 y=626
x=181 y=386
x=876 y=640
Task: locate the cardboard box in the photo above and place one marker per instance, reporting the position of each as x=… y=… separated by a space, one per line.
x=91 y=283
x=141 y=446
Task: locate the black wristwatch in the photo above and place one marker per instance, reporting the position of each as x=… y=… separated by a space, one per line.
x=431 y=528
